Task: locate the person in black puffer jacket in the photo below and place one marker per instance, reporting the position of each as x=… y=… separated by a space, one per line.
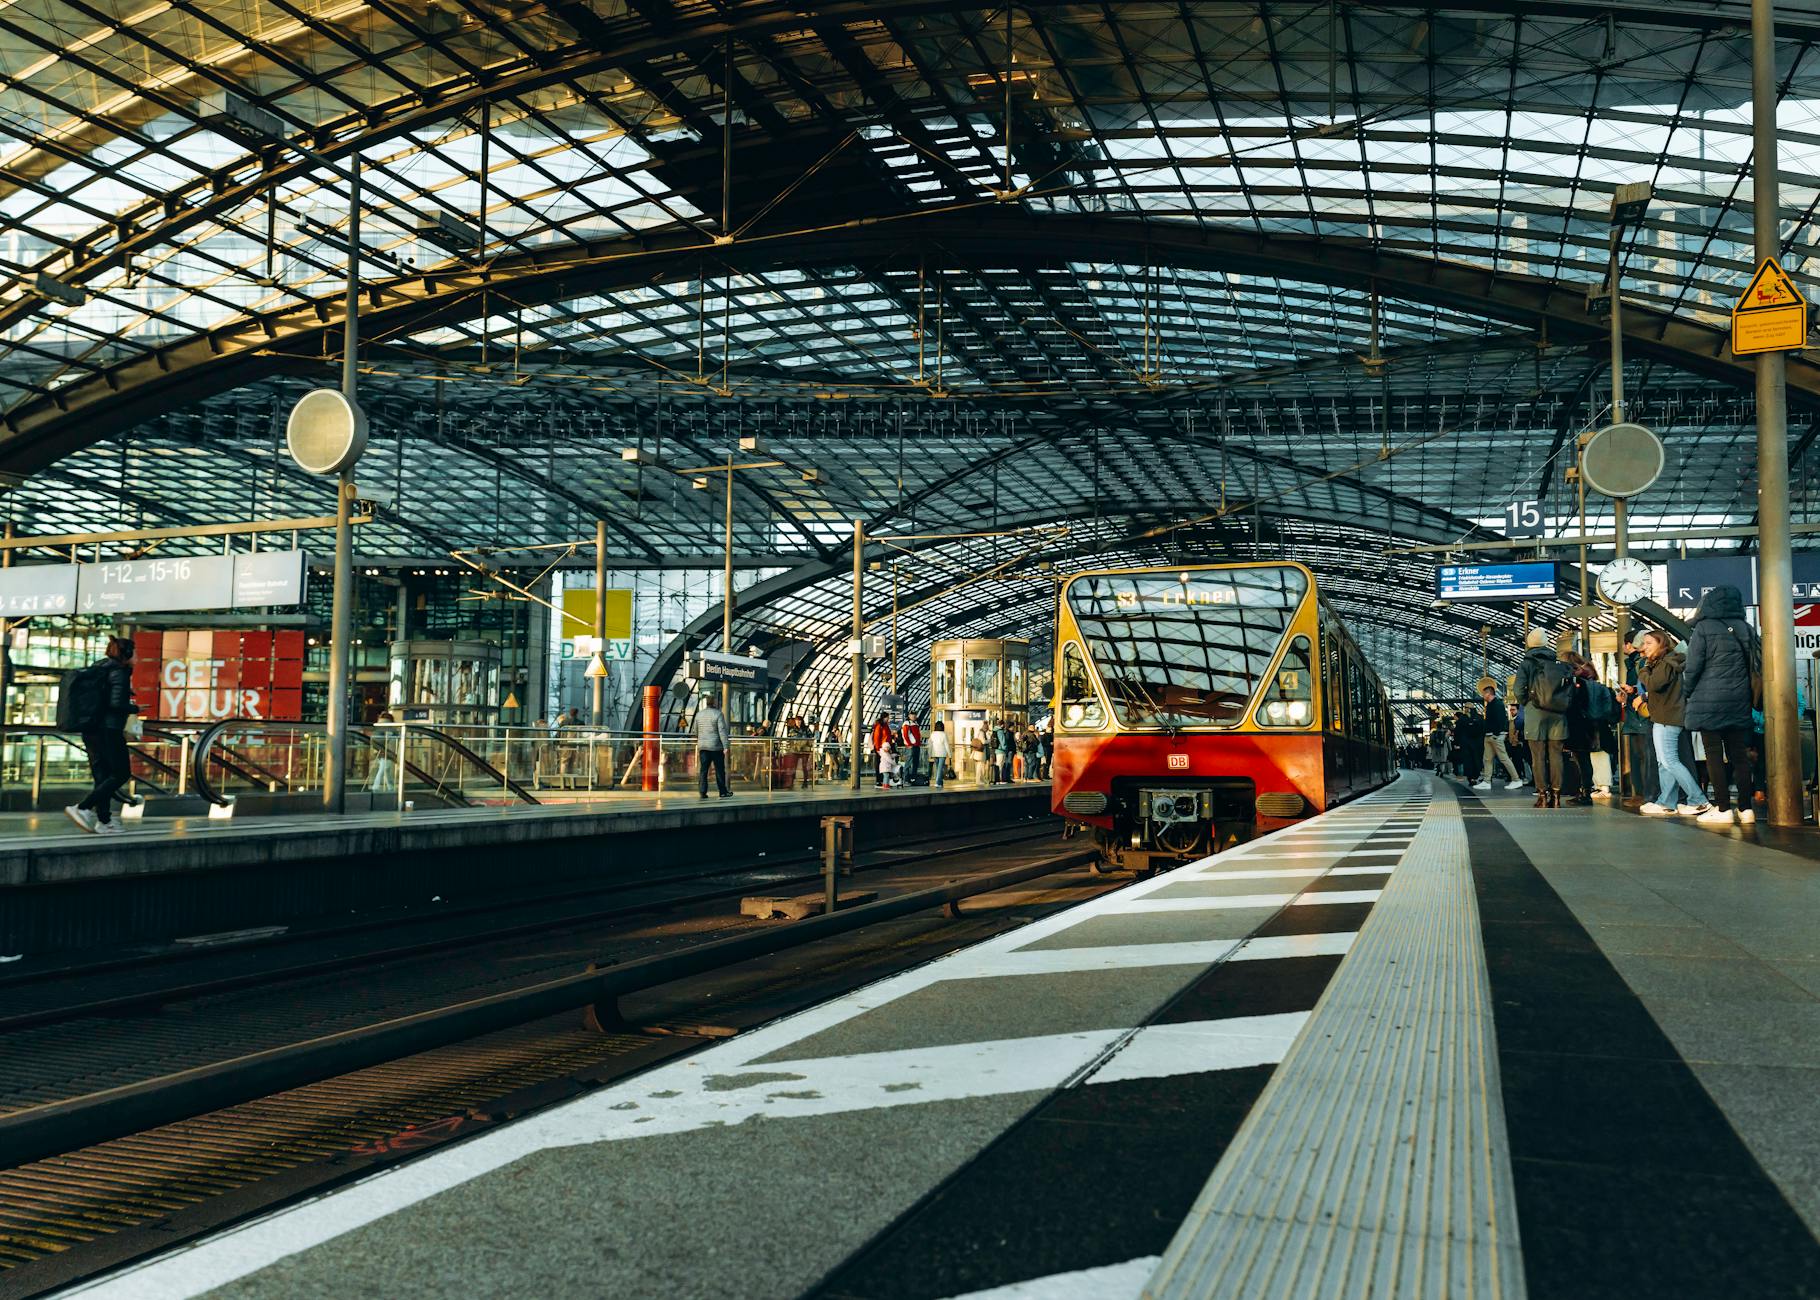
x=104 y=736
x=1722 y=654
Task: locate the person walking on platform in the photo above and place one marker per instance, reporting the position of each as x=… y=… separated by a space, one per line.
x=1722 y=683
x=1660 y=675
x=1496 y=721
x=711 y=739
x=1046 y=751
x=98 y=702
x=1544 y=687
x=939 y=751
x=912 y=737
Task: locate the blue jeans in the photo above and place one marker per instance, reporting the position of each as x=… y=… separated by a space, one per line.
x=1673 y=776
x=937 y=769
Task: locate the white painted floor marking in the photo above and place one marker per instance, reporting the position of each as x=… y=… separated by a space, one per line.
x=1108 y=1282
x=1056 y=961
x=1279 y=947
x=1195 y=1047
x=1141 y=905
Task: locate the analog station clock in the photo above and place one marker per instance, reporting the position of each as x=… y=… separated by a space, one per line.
x=1625 y=581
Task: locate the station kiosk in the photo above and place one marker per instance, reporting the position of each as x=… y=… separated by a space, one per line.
x=976 y=682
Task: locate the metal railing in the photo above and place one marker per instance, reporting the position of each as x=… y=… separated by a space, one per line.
x=575 y=763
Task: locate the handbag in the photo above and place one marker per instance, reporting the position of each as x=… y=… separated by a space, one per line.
x=1753 y=664
x=135 y=727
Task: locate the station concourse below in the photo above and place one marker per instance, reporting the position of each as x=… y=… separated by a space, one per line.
x=1425 y=1044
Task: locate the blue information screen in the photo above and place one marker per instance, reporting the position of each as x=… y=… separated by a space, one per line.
x=1496 y=581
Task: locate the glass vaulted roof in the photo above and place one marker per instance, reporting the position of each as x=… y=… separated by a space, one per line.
x=1189 y=279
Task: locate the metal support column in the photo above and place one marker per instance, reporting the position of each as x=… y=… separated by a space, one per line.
x=341 y=618
x=598 y=705
x=726 y=582
x=857 y=705
x=1620 y=511
x=1775 y=577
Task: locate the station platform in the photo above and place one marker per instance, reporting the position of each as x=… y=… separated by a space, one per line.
x=62 y=888
x=1427 y=1044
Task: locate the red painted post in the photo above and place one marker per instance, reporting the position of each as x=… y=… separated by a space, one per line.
x=648 y=765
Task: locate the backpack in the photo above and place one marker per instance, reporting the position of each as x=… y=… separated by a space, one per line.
x=1601 y=704
x=81 y=698
x=1752 y=650
x=1552 y=689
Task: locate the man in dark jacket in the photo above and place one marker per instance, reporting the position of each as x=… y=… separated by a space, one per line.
x=1543 y=683
x=1722 y=655
x=104 y=736
x=1496 y=720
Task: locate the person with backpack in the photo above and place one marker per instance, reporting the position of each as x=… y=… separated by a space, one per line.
x=1545 y=689
x=1723 y=683
x=98 y=702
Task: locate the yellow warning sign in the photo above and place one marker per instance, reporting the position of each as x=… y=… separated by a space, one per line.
x=1771 y=315
x=1770 y=287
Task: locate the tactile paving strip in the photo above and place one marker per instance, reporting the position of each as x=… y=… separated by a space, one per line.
x=1375 y=1162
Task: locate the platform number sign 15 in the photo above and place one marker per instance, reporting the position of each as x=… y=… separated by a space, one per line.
x=1523 y=519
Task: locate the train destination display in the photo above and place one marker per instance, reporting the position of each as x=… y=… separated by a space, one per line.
x=1536 y=581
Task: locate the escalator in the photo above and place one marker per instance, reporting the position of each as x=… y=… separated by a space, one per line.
x=390 y=765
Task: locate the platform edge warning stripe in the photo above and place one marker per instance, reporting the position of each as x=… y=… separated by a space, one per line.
x=1376 y=1159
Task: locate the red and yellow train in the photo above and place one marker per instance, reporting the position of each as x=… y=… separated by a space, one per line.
x=1196 y=707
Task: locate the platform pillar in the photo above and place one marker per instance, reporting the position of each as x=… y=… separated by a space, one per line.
x=1775 y=568
x=647 y=764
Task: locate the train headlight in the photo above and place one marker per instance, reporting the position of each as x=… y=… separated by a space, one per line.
x=1298 y=711
x=1073 y=715
x=1276 y=712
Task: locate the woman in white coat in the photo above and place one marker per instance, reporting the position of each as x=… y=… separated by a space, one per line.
x=939 y=750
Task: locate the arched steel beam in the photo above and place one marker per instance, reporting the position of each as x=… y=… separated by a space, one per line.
x=36 y=433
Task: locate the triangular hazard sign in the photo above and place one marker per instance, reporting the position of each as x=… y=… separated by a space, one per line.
x=1770 y=287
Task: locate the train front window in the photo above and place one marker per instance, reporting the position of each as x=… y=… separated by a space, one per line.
x=1080 y=702
x=1289 y=696
x=1185 y=649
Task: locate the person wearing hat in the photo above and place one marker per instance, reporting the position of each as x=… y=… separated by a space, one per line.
x=1544 y=688
x=107 y=704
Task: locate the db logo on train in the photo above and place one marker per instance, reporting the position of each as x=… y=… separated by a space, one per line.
x=1178 y=762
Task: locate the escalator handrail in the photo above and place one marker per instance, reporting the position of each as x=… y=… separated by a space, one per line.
x=213 y=733
x=75 y=738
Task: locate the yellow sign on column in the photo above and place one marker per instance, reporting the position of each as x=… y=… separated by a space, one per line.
x=578 y=613
x=1770 y=315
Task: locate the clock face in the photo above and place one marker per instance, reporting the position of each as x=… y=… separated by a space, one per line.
x=1625 y=582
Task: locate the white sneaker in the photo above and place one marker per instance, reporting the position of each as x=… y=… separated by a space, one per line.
x=1715 y=817
x=1483 y=785
x=1692 y=809
x=109 y=828
x=82 y=817
x=1653 y=809
x=1747 y=816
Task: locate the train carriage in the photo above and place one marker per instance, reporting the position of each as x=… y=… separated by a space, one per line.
x=1200 y=706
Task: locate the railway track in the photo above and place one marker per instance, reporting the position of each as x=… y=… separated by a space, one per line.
x=359 y=1059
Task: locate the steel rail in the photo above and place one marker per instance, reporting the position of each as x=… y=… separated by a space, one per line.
x=40 y=1132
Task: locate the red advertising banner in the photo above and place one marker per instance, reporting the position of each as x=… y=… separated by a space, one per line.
x=205 y=675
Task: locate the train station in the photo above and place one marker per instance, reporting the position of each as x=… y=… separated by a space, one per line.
x=909 y=651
